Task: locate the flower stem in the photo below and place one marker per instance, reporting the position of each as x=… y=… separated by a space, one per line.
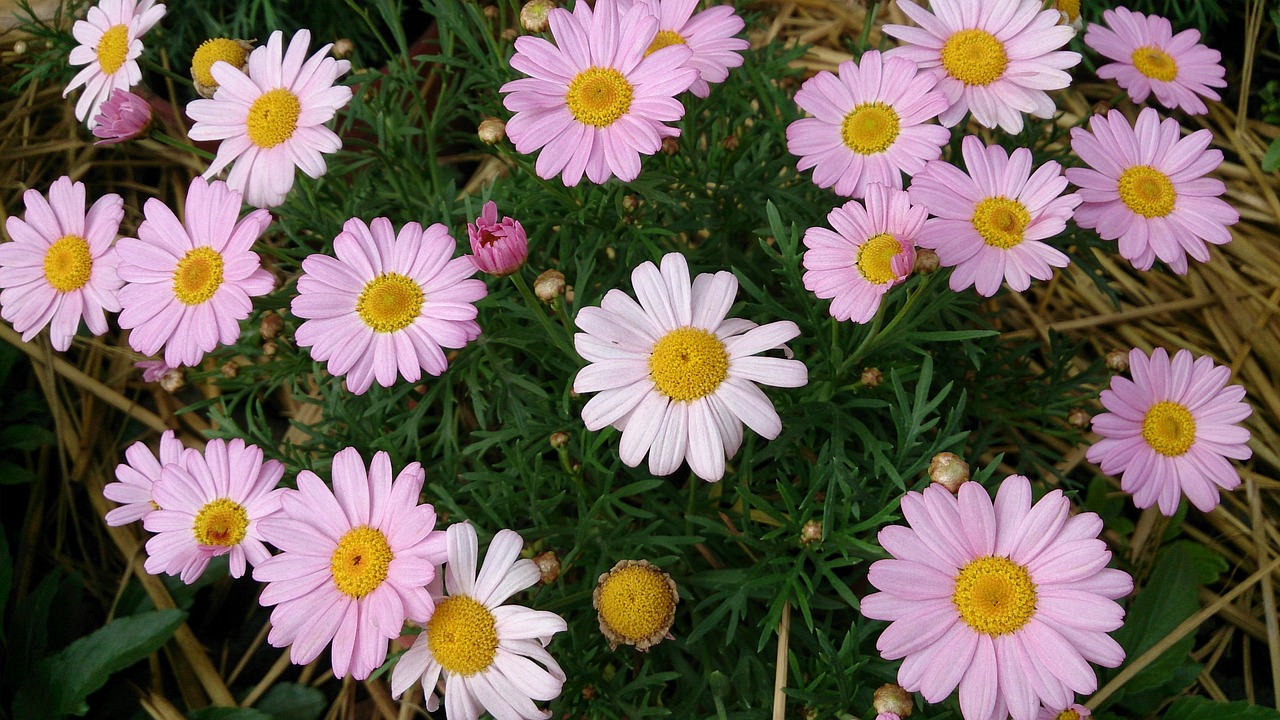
x=556 y=335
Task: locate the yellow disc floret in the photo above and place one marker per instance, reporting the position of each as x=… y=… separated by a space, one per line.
x=598 y=96
x=664 y=38
x=1070 y=8
x=462 y=635
x=974 y=57
x=636 y=603
x=273 y=117
x=68 y=264
x=870 y=128
x=1169 y=428
x=198 y=276
x=212 y=51
x=359 y=563
x=994 y=595
x=1000 y=221
x=688 y=363
x=113 y=48
x=390 y=302
x=1155 y=63
x=1067 y=715
x=1147 y=191
x=221 y=523
x=875 y=258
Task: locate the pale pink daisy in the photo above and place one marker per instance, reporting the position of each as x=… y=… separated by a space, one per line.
x=1149 y=188
x=136 y=476
x=676 y=375
x=989 y=221
x=61 y=266
x=1009 y=601
x=1148 y=58
x=498 y=247
x=872 y=249
x=594 y=101
x=355 y=564
x=709 y=34
x=1170 y=430
x=995 y=58
x=188 y=285
x=211 y=504
x=124 y=116
x=110 y=40
x=492 y=656
x=1075 y=712
x=271 y=119
x=868 y=124
x=387 y=304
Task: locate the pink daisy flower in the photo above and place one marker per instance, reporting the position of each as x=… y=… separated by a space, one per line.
x=387 y=304
x=1148 y=186
x=709 y=34
x=1009 y=601
x=995 y=58
x=868 y=125
x=594 y=101
x=675 y=375
x=1075 y=712
x=497 y=247
x=110 y=40
x=212 y=504
x=271 y=119
x=124 y=116
x=492 y=656
x=872 y=249
x=355 y=564
x=1149 y=58
x=187 y=286
x=135 y=478
x=989 y=221
x=1170 y=430
x=61 y=265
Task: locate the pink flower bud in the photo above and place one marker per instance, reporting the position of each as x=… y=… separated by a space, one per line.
x=124 y=116
x=498 y=247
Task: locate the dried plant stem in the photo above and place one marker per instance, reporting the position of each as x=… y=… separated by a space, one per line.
x=780 y=669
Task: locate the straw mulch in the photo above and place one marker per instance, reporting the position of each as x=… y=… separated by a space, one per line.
x=1226 y=309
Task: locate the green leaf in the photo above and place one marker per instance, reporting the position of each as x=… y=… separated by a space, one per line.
x=6 y=578
x=60 y=684
x=1271 y=161
x=291 y=701
x=1200 y=708
x=229 y=713
x=14 y=474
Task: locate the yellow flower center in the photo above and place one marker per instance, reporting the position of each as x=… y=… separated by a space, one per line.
x=462 y=635
x=221 y=522
x=1147 y=191
x=1001 y=221
x=273 y=117
x=390 y=302
x=359 y=563
x=1155 y=63
x=68 y=264
x=1072 y=10
x=974 y=57
x=875 y=258
x=1067 y=715
x=212 y=51
x=994 y=595
x=870 y=128
x=599 y=96
x=113 y=48
x=637 y=602
x=198 y=276
x=688 y=363
x=665 y=38
x=1169 y=428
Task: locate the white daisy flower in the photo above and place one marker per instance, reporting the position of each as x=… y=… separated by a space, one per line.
x=110 y=40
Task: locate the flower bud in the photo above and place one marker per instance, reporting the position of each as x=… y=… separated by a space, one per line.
x=670 y=146
x=20 y=47
x=233 y=52
x=731 y=143
x=890 y=698
x=549 y=565
x=270 y=348
x=173 y=380
x=343 y=47
x=270 y=326
x=872 y=377
x=1117 y=361
x=498 y=247
x=490 y=11
x=927 y=261
x=124 y=116
x=533 y=16
x=949 y=471
x=549 y=285
x=559 y=439
x=1078 y=418
x=508 y=34
x=492 y=131
x=811 y=532
x=230 y=369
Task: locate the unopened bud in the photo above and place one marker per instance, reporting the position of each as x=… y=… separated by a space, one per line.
x=230 y=369
x=343 y=47
x=174 y=380
x=490 y=11
x=549 y=565
x=731 y=143
x=492 y=131
x=508 y=34
x=811 y=532
x=588 y=692
x=559 y=439
x=269 y=348
x=927 y=261
x=1078 y=418
x=872 y=377
x=20 y=47
x=270 y=326
x=670 y=146
x=630 y=203
x=533 y=16
x=549 y=285
x=949 y=471
x=1117 y=361
x=890 y=698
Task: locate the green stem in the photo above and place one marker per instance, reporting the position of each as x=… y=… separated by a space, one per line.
x=874 y=337
x=867 y=22
x=176 y=143
x=535 y=306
